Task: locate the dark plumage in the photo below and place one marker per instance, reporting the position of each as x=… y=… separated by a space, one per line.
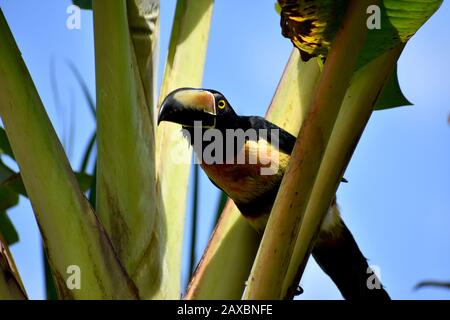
x=254 y=193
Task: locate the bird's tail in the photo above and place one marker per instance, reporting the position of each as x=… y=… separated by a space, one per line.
x=338 y=255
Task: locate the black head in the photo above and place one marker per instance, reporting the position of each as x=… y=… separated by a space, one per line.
x=191 y=107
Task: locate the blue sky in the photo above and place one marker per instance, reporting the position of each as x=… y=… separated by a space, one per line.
x=397 y=201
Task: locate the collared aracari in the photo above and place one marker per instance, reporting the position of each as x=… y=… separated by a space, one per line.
x=335 y=249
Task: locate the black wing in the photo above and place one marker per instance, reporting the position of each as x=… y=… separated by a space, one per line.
x=282 y=138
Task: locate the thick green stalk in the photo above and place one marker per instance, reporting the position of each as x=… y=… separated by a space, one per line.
x=225 y=265
x=127 y=202
x=64 y=216
x=143 y=19
x=356 y=109
x=277 y=245
x=184 y=68
x=227 y=261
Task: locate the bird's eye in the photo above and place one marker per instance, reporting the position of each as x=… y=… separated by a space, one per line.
x=221 y=104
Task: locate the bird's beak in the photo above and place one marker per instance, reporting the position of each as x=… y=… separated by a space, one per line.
x=189 y=107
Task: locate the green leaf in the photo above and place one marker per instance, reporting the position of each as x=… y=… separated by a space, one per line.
x=63 y=213
x=5 y=172
x=312 y=25
x=5 y=147
x=184 y=68
x=15 y=183
x=392 y=95
x=8 y=198
x=400 y=20
x=277 y=8
x=7 y=229
x=83 y=4
x=127 y=200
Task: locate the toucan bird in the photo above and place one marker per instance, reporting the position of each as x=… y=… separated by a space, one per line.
x=248 y=162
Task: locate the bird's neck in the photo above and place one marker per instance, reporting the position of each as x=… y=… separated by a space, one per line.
x=203 y=140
